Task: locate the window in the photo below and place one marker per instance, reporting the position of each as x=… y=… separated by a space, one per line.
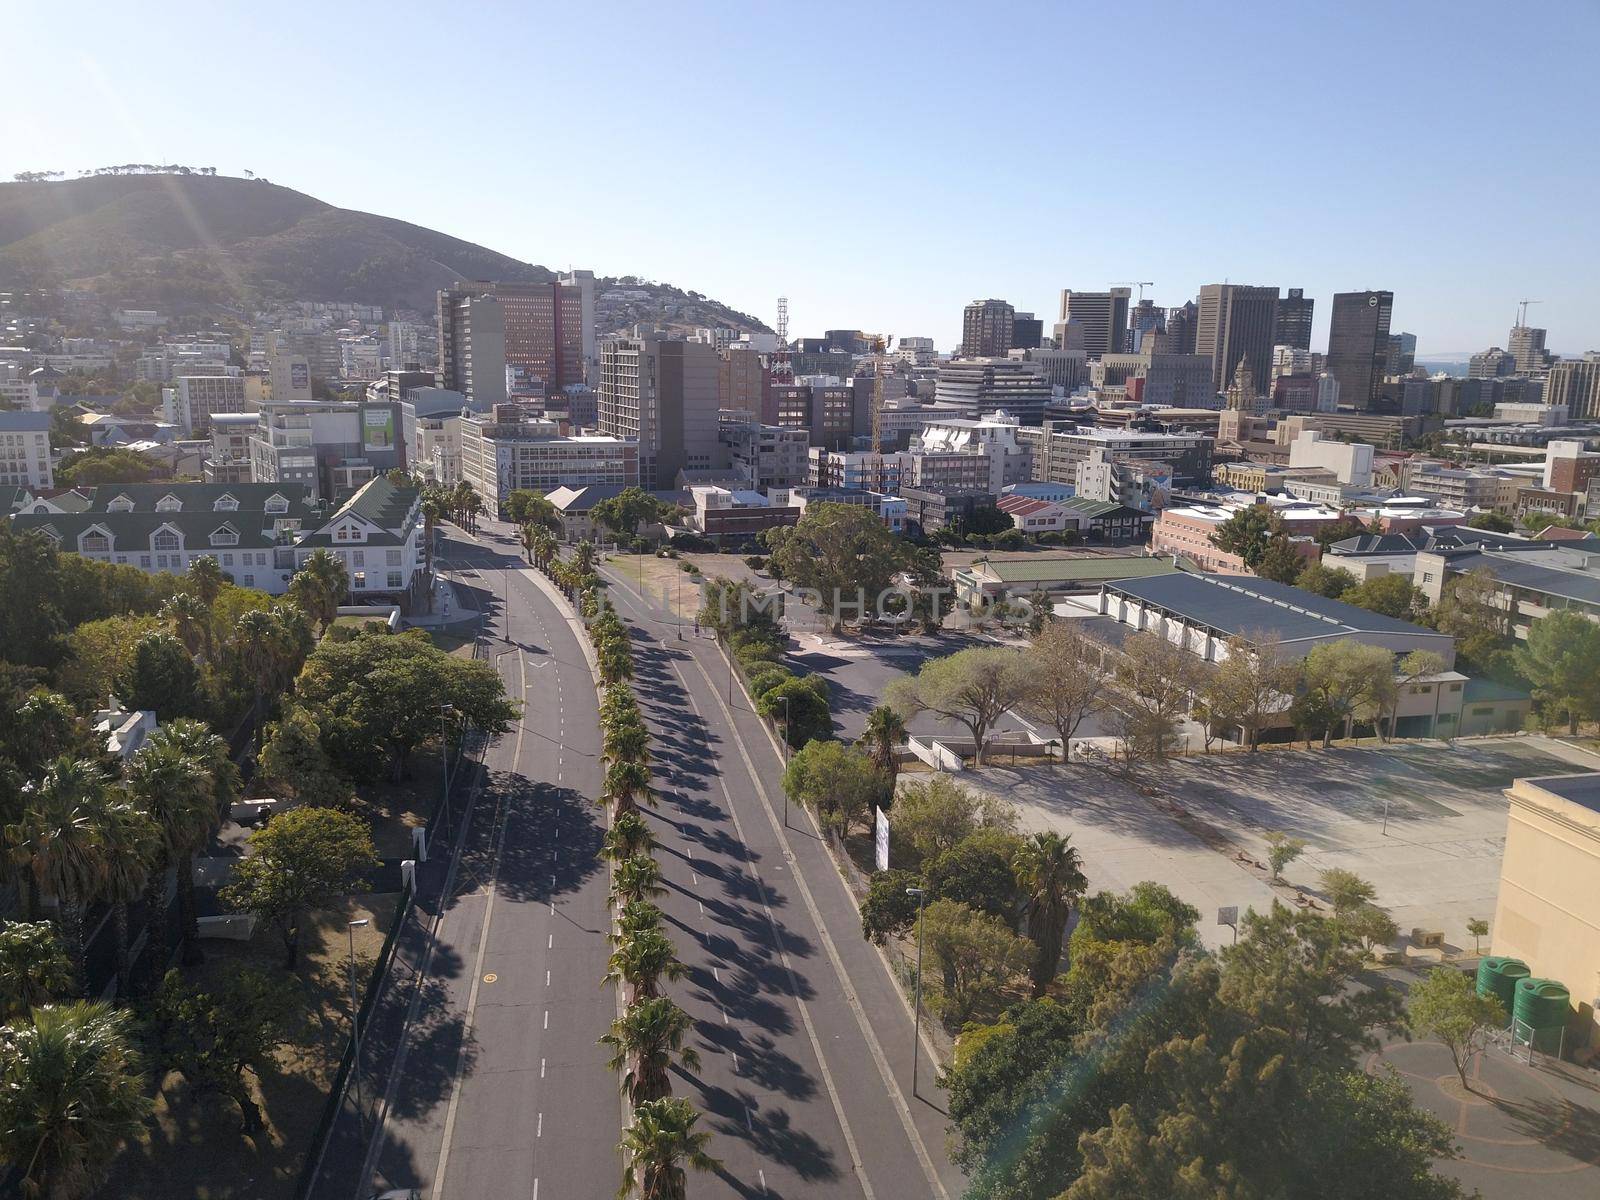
x=396 y=581
x=359 y=579
x=1486 y=710
x=227 y=560
x=120 y=504
x=393 y=558
x=94 y=542
x=169 y=503
x=224 y=536
x=144 y=561
x=164 y=539
x=358 y=558
x=249 y=581
x=226 y=504
x=1455 y=687
x=276 y=504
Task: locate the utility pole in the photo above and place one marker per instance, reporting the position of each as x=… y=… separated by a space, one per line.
x=916 y=1020
x=355 y=1022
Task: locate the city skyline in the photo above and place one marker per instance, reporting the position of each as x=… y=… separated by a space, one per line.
x=902 y=204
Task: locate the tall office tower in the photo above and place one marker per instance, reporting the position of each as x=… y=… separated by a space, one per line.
x=1236 y=322
x=583 y=283
x=1102 y=316
x=1294 y=320
x=986 y=328
x=1358 y=345
x=1181 y=324
x=546 y=326
x=472 y=346
x=1575 y=382
x=661 y=393
x=1027 y=331
x=1402 y=355
x=1144 y=319
x=1527 y=347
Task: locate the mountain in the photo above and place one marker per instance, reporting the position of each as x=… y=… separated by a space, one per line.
x=197 y=245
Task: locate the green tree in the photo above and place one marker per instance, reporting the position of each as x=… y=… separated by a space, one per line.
x=42 y=728
x=978 y=873
x=104 y=466
x=178 y=792
x=976 y=956
x=655 y=1148
x=1390 y=595
x=1153 y=684
x=385 y=694
x=842 y=552
x=161 y=676
x=1561 y=658
x=529 y=508
x=630 y=508
x=1049 y=873
x=1472 y=611
x=1282 y=850
x=71 y=1092
x=57 y=839
x=629 y=837
x=1280 y=561
x=1494 y=520
x=623 y=786
x=1479 y=929
x=1344 y=528
x=130 y=848
x=292 y=759
x=975 y=687
x=304 y=859
x=1249 y=533
x=205 y=580
x=635 y=879
x=1324 y=580
x=801 y=705
x=835 y=781
x=640 y=962
x=34 y=967
x=888 y=909
x=216 y=1036
x=1446 y=1006
x=881 y=737
x=1350 y=682
x=644 y=1040
x=933 y=815
x=320 y=586
x=191 y=622
x=1346 y=891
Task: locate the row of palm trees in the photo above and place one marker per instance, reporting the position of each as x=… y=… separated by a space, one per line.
x=661 y=1140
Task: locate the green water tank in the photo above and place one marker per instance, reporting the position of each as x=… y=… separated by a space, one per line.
x=1498 y=977
x=1543 y=1005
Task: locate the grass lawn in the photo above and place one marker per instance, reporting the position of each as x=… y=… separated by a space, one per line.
x=194 y=1149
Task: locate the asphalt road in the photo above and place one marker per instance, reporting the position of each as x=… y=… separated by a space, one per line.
x=494 y=1086
x=805 y=1040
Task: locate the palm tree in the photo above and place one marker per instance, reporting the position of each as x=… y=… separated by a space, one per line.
x=320 y=586
x=655 y=1146
x=636 y=917
x=643 y=1042
x=624 y=785
x=616 y=661
x=636 y=878
x=71 y=1091
x=528 y=535
x=884 y=732
x=544 y=547
x=206 y=579
x=256 y=637
x=191 y=621
x=34 y=967
x=131 y=845
x=629 y=742
x=178 y=792
x=195 y=739
x=58 y=839
x=1049 y=873
x=583 y=557
x=640 y=962
x=628 y=837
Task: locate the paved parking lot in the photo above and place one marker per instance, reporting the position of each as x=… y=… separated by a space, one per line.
x=1436 y=865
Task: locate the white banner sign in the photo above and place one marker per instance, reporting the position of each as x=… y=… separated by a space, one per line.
x=881 y=840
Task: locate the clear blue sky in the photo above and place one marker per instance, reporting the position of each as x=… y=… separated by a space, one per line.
x=882 y=164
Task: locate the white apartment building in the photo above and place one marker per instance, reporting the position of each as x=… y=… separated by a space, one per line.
x=1350 y=462
x=501 y=453
x=192 y=399
x=943 y=455
x=17 y=389
x=25 y=449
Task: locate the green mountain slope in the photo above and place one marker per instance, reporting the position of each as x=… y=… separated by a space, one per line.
x=198 y=244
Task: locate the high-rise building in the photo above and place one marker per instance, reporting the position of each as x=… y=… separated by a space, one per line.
x=1402 y=356
x=472 y=346
x=547 y=325
x=1575 y=382
x=1293 y=326
x=1358 y=344
x=1100 y=319
x=583 y=283
x=662 y=394
x=1027 y=331
x=1143 y=320
x=1527 y=347
x=986 y=329
x=1236 y=322
x=1491 y=364
x=1181 y=324
x=1015 y=386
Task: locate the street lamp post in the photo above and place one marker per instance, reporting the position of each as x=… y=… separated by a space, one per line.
x=355 y=1020
x=786 y=760
x=916 y=1020
x=444 y=756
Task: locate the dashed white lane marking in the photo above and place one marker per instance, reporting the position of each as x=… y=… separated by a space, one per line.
x=695 y=877
x=547 y=1018
x=539 y=1130
x=547 y=977
x=717 y=973
x=541 y=1068
x=735 y=1064
x=702 y=908
x=550 y=942
x=760 y=1174
x=724 y=1014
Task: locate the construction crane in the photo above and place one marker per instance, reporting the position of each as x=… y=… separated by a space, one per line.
x=1141 y=284
x=1522 y=310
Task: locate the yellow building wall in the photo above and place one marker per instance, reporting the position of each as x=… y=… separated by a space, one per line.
x=1548 y=911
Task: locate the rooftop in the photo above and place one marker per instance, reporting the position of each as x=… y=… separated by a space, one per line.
x=1582 y=790
x=1239 y=604
x=1099 y=566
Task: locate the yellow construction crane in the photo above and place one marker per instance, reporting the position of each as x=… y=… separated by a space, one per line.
x=1141 y=284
